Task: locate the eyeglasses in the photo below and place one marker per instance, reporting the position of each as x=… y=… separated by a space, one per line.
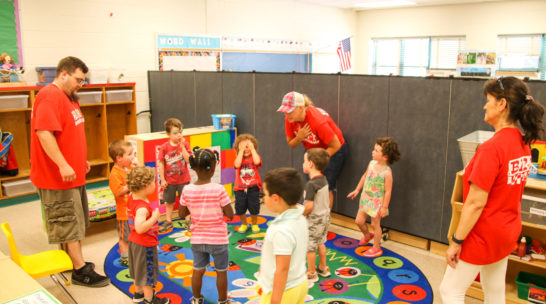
x=80 y=81
x=176 y=133
x=499 y=80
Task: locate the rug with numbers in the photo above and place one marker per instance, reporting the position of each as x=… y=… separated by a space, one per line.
x=355 y=279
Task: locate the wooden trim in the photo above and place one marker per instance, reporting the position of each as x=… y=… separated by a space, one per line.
x=438 y=248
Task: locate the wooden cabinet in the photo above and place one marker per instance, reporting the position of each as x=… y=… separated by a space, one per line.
x=534 y=187
x=110 y=115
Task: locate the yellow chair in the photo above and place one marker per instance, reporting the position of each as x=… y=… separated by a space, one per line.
x=40 y=264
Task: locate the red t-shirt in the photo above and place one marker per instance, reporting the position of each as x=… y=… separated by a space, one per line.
x=54 y=111
x=176 y=168
x=247 y=175
x=323 y=128
x=148 y=238
x=500 y=166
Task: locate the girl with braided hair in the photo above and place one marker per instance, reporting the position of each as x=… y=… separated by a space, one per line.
x=207 y=203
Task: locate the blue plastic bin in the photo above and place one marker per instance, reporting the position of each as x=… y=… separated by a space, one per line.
x=223 y=121
x=46 y=75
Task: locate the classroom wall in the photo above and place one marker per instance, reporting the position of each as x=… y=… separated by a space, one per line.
x=481 y=23
x=126 y=42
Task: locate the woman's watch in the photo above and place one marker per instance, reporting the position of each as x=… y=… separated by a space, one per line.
x=456 y=240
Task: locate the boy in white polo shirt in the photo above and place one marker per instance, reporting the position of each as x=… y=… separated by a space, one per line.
x=282 y=273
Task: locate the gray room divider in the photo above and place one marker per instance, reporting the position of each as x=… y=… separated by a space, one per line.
x=425 y=116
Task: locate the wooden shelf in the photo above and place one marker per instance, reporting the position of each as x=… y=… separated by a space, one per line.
x=15 y=110
x=119 y=102
x=97 y=161
x=475 y=291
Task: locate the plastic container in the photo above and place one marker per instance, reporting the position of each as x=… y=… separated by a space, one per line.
x=533 y=209
x=531 y=287
x=90 y=97
x=119 y=95
x=470 y=142
x=98 y=76
x=46 y=75
x=13 y=101
x=223 y=121
x=10 y=188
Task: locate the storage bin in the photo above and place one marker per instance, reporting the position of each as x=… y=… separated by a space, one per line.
x=470 y=142
x=119 y=95
x=16 y=187
x=531 y=287
x=223 y=121
x=533 y=209
x=46 y=75
x=90 y=97
x=98 y=76
x=13 y=101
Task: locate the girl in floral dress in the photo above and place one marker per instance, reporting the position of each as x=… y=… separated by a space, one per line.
x=377 y=184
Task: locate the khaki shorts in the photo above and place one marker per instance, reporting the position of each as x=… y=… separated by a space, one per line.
x=66 y=214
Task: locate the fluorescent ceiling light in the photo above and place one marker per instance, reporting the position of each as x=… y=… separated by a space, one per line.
x=385 y=3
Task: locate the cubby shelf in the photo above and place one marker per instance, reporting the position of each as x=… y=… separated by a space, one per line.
x=104 y=122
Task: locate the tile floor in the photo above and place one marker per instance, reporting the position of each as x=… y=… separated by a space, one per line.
x=26 y=224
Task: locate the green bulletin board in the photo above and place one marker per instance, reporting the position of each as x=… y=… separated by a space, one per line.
x=10 y=30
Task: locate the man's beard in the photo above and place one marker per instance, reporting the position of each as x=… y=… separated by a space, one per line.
x=74 y=96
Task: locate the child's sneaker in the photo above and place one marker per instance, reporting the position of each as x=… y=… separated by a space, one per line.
x=200 y=300
x=324 y=272
x=166 y=226
x=364 y=240
x=226 y=301
x=123 y=261
x=312 y=277
x=138 y=297
x=255 y=228
x=156 y=300
x=242 y=228
x=372 y=252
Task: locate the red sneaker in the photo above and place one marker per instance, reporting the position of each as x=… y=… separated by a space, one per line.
x=364 y=240
x=372 y=252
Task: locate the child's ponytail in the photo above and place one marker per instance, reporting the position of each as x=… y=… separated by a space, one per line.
x=203 y=159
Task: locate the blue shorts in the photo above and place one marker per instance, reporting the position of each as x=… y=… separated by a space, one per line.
x=334 y=167
x=247 y=200
x=202 y=253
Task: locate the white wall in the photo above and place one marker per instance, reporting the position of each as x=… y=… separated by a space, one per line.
x=54 y=29
x=481 y=23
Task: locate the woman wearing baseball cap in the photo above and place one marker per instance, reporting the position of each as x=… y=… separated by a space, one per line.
x=314 y=128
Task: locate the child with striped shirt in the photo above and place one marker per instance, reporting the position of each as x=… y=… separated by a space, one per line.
x=207 y=203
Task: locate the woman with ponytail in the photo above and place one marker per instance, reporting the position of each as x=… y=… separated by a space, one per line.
x=493 y=183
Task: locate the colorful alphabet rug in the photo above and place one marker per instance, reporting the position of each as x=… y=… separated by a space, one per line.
x=355 y=279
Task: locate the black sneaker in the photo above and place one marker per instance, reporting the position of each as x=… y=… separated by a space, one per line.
x=88 y=277
x=156 y=300
x=138 y=297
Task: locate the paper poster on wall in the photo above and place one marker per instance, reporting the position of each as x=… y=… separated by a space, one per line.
x=205 y=61
x=188 y=53
x=476 y=63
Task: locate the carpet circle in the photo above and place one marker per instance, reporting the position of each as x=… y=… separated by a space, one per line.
x=354 y=279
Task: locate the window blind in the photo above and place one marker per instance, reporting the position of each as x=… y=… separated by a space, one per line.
x=444 y=50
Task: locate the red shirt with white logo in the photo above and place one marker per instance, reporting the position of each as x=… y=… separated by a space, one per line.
x=323 y=128
x=247 y=175
x=54 y=111
x=500 y=166
x=176 y=168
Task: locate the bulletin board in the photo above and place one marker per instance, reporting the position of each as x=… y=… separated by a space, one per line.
x=10 y=30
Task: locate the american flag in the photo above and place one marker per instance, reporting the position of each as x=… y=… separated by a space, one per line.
x=344 y=53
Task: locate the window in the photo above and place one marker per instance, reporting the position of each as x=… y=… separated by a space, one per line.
x=443 y=52
x=413 y=56
x=519 y=52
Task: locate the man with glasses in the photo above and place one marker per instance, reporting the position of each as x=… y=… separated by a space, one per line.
x=58 y=157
